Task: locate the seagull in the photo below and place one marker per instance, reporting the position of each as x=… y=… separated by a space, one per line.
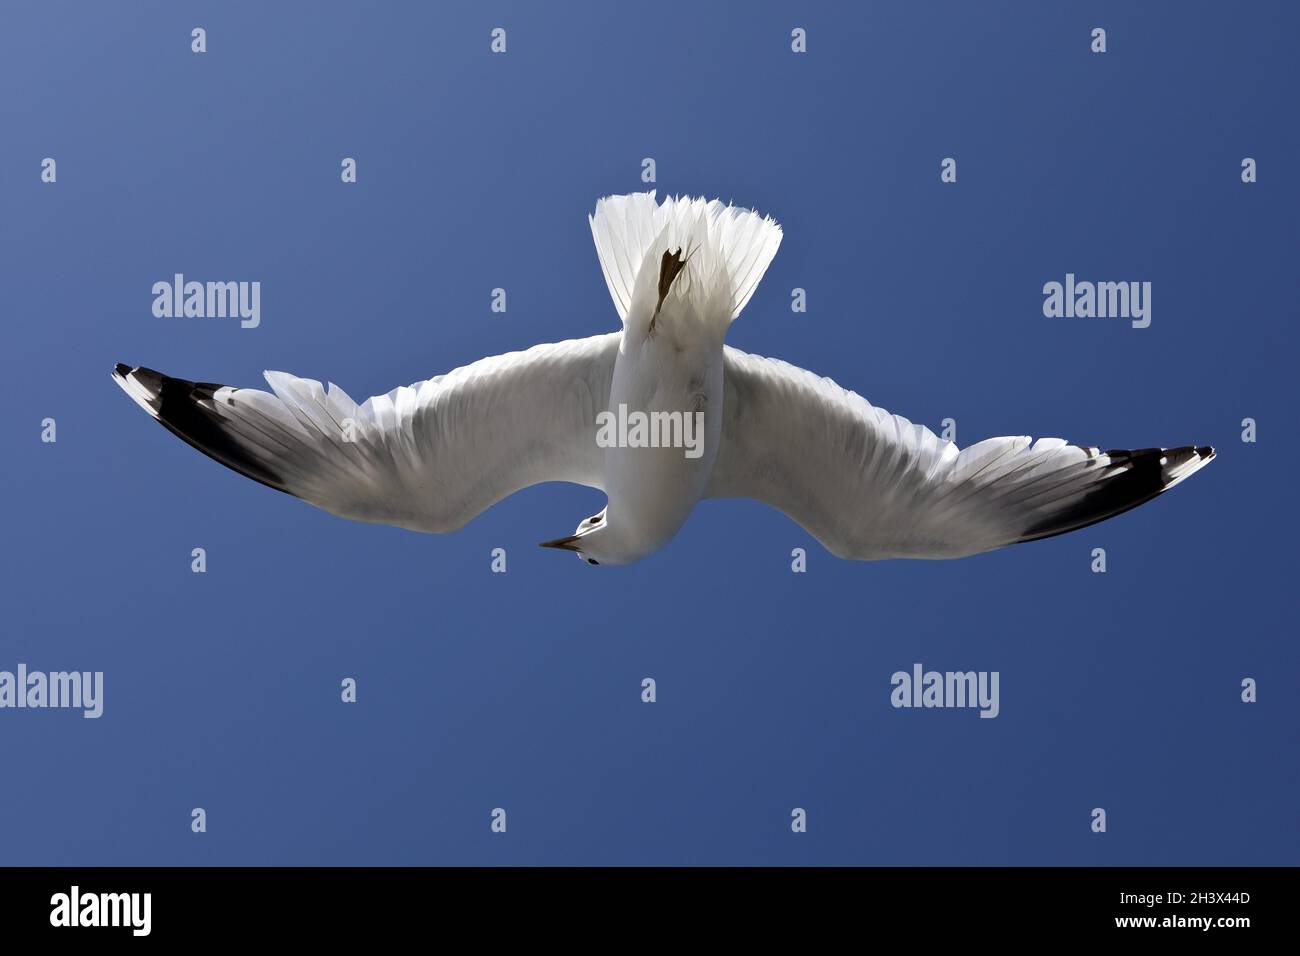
x=866 y=484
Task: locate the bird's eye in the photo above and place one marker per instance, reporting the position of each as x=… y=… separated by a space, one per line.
x=594 y=519
x=592 y=561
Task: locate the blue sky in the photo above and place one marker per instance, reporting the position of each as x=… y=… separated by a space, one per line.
x=522 y=690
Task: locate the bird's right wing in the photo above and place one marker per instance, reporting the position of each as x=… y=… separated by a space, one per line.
x=428 y=457
x=868 y=484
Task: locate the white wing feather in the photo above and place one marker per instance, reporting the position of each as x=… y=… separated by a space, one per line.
x=868 y=484
x=428 y=457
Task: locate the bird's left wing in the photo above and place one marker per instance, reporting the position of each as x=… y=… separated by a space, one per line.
x=428 y=457
x=868 y=484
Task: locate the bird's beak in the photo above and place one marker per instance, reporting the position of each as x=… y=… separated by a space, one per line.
x=567 y=543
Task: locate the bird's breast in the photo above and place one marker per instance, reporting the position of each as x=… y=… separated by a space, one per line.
x=660 y=434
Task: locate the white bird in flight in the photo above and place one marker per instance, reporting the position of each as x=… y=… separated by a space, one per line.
x=863 y=482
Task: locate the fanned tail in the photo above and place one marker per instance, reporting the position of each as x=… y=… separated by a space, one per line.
x=719 y=253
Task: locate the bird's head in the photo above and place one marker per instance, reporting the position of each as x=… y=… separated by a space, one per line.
x=594 y=542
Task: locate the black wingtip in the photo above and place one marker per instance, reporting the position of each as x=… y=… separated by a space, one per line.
x=1134 y=478
x=185 y=409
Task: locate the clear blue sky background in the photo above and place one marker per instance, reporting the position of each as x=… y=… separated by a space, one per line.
x=522 y=690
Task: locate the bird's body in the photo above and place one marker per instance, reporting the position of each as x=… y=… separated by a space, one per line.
x=865 y=483
x=652 y=491
x=679 y=306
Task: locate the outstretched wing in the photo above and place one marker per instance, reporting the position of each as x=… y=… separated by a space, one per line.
x=868 y=484
x=428 y=457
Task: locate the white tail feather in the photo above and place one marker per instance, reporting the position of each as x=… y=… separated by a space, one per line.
x=729 y=248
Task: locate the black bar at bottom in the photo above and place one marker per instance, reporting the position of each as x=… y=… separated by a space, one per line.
x=333 y=904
